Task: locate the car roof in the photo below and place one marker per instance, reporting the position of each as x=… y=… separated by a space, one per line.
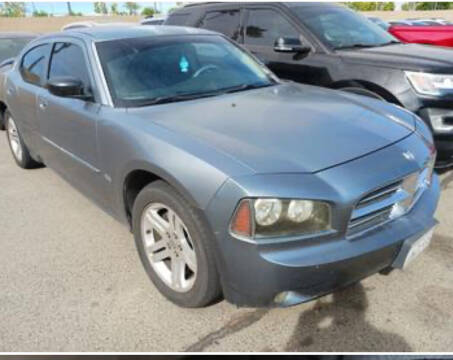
x=288 y=4
x=147 y=21
x=4 y=35
x=94 y=24
x=107 y=33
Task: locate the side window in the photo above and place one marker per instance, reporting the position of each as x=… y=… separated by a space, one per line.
x=264 y=26
x=68 y=60
x=33 y=66
x=177 y=19
x=224 y=21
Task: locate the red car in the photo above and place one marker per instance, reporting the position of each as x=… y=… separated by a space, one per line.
x=441 y=35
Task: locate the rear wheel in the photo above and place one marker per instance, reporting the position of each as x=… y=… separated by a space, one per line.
x=2 y=120
x=175 y=246
x=16 y=144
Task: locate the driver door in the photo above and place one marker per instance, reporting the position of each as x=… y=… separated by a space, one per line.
x=263 y=26
x=68 y=125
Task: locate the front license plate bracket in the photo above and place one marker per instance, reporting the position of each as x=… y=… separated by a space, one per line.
x=412 y=248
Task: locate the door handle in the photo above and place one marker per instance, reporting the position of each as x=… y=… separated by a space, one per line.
x=9 y=92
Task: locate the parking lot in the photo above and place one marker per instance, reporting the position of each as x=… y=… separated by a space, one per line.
x=71 y=280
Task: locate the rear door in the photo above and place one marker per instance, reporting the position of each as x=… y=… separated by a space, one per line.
x=68 y=125
x=225 y=20
x=22 y=91
x=263 y=26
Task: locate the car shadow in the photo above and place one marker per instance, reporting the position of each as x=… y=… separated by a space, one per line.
x=341 y=325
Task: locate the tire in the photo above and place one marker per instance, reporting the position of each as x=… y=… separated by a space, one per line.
x=17 y=146
x=199 y=284
x=2 y=121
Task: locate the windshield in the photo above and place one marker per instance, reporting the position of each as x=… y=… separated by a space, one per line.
x=10 y=48
x=338 y=27
x=146 y=71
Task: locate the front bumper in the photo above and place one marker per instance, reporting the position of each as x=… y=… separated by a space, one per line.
x=257 y=273
x=264 y=273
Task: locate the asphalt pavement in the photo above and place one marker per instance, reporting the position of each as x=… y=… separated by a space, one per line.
x=71 y=280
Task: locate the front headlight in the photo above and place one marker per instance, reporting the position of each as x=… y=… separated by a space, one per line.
x=270 y=217
x=430 y=84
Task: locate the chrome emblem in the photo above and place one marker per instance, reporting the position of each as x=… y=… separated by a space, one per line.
x=408 y=155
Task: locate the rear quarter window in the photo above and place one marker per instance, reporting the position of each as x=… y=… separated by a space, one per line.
x=222 y=21
x=34 y=64
x=177 y=19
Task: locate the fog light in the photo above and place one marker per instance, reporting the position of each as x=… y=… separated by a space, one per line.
x=280 y=298
x=438 y=123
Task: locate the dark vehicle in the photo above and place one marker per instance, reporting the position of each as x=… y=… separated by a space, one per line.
x=330 y=45
x=233 y=182
x=400 y=22
x=10 y=45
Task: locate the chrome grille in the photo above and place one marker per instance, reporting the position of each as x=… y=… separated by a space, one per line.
x=386 y=203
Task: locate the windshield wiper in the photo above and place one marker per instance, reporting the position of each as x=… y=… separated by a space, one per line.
x=172 y=98
x=244 y=87
x=364 y=46
x=356 y=46
x=184 y=97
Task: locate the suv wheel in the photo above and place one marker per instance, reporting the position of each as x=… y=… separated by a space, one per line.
x=16 y=144
x=175 y=247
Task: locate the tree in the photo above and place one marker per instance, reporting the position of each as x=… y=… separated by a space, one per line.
x=389 y=6
x=178 y=5
x=147 y=11
x=441 y=5
x=68 y=4
x=13 y=9
x=408 y=6
x=433 y=5
x=100 y=8
x=132 y=7
x=40 y=13
x=371 y=6
x=114 y=9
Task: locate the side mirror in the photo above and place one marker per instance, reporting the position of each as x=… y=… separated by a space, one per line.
x=68 y=87
x=290 y=45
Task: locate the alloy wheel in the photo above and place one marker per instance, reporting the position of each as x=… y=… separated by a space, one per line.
x=14 y=140
x=169 y=247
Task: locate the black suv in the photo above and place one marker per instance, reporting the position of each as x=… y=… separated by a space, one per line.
x=330 y=45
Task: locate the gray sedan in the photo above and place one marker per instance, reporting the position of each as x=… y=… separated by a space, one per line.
x=234 y=183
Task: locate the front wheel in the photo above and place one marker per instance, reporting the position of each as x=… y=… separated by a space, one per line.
x=16 y=144
x=175 y=246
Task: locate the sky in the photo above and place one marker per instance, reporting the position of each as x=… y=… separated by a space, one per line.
x=87 y=8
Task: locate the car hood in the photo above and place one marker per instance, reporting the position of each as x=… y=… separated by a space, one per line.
x=286 y=128
x=404 y=56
